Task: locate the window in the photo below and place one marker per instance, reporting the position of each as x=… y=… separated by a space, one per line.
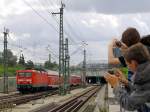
x=25 y=74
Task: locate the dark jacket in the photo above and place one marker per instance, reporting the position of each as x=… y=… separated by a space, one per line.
x=141 y=92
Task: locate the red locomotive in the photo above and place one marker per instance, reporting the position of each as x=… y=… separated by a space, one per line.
x=34 y=80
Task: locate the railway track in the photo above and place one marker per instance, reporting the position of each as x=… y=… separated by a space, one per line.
x=12 y=100
x=9 y=96
x=9 y=101
x=73 y=105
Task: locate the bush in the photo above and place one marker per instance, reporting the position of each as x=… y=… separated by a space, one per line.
x=11 y=70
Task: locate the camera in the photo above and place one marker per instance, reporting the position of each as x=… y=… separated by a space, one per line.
x=111 y=71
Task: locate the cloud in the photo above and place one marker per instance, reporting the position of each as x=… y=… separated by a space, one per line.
x=8 y=7
x=109 y=6
x=19 y=7
x=30 y=35
x=95 y=22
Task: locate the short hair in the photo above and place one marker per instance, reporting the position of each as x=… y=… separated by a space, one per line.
x=145 y=40
x=130 y=36
x=138 y=53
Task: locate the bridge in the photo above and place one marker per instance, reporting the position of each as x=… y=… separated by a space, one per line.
x=95 y=70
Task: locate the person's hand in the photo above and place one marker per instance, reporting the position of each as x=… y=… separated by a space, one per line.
x=111 y=79
x=124 y=81
x=121 y=76
x=119 y=73
x=123 y=46
x=114 y=42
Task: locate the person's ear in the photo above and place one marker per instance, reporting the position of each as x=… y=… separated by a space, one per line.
x=134 y=64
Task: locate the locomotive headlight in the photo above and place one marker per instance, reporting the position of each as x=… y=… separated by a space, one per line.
x=24 y=80
x=29 y=80
x=20 y=80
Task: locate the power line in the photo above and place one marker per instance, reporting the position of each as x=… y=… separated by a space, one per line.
x=50 y=48
x=47 y=1
x=70 y=27
x=77 y=50
x=73 y=20
x=66 y=33
x=47 y=21
x=44 y=6
x=41 y=16
x=53 y=53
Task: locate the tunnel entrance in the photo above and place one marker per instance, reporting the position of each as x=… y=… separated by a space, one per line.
x=95 y=80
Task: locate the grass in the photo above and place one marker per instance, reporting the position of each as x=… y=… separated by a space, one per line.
x=11 y=70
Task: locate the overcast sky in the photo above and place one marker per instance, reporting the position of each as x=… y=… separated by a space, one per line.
x=94 y=21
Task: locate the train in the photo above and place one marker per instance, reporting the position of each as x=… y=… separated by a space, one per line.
x=31 y=80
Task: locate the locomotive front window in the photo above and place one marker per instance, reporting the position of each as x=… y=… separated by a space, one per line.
x=25 y=74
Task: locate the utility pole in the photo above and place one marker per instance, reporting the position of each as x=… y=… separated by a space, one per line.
x=5 y=86
x=61 y=51
x=67 y=70
x=49 y=58
x=84 y=66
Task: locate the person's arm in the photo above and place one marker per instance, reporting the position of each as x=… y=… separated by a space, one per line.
x=111 y=79
x=111 y=59
x=129 y=87
x=131 y=101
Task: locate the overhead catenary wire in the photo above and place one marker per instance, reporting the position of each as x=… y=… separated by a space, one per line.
x=55 y=57
x=13 y=47
x=68 y=35
x=50 y=48
x=73 y=20
x=65 y=32
x=51 y=25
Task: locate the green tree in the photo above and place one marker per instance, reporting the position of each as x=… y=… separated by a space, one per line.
x=51 y=66
x=29 y=64
x=21 y=60
x=12 y=59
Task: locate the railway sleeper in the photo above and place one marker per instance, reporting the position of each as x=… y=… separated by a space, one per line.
x=72 y=107
x=62 y=106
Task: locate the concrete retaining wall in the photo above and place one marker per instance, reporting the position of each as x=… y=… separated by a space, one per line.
x=102 y=100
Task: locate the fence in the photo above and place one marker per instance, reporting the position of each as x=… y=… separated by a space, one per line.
x=11 y=84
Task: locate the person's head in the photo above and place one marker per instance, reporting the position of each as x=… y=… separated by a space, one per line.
x=135 y=55
x=145 y=40
x=130 y=36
